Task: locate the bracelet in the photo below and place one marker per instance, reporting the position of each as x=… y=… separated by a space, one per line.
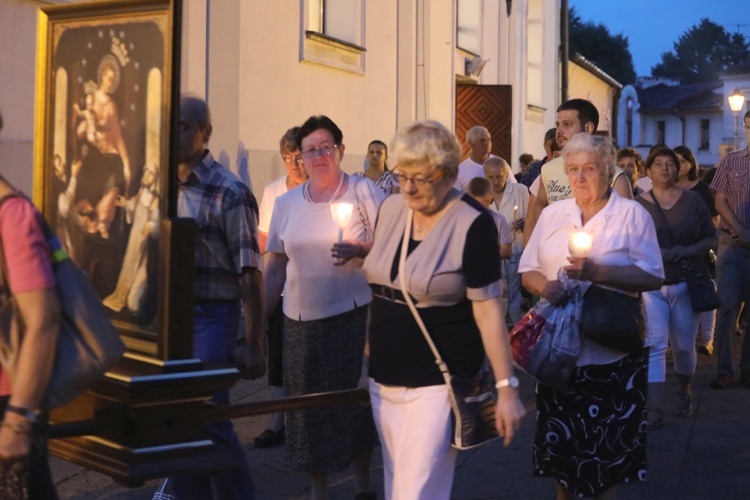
x=29 y=415
x=16 y=428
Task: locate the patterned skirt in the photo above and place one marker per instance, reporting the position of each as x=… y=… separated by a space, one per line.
x=593 y=436
x=322 y=356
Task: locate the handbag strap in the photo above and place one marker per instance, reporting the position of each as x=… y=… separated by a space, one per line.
x=369 y=233
x=402 y=283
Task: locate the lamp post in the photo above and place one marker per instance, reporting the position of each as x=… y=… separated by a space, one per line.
x=736 y=101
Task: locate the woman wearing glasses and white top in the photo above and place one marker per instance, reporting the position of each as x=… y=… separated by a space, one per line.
x=452 y=270
x=325 y=307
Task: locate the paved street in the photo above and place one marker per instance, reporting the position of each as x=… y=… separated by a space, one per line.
x=704 y=456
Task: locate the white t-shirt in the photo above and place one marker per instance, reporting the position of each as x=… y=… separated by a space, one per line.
x=515 y=195
x=272 y=191
x=468 y=169
x=623 y=233
x=315 y=288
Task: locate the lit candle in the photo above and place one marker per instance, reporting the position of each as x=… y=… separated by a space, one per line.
x=341 y=213
x=579 y=244
x=515 y=213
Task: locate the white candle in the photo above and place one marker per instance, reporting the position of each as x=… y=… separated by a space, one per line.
x=341 y=213
x=515 y=213
x=579 y=244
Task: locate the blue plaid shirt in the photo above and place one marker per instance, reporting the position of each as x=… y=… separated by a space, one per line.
x=226 y=216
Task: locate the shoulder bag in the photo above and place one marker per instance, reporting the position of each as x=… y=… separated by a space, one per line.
x=87 y=346
x=363 y=211
x=472 y=398
x=613 y=319
x=704 y=295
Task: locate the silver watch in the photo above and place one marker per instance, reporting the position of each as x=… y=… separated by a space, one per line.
x=511 y=381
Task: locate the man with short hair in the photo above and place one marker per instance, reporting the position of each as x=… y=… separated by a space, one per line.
x=550 y=146
x=480 y=142
x=226 y=273
x=574 y=116
x=732 y=186
x=510 y=201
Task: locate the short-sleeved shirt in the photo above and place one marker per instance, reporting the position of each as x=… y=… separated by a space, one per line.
x=27 y=254
x=468 y=169
x=732 y=179
x=226 y=216
x=686 y=223
x=315 y=288
x=272 y=191
x=708 y=196
x=513 y=206
x=458 y=262
x=623 y=234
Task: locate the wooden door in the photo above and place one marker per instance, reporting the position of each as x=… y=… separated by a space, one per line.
x=489 y=106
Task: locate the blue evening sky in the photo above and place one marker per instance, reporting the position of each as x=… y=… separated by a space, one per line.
x=652 y=26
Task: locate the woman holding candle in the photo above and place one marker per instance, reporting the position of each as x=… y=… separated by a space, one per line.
x=325 y=306
x=452 y=271
x=591 y=436
x=686 y=233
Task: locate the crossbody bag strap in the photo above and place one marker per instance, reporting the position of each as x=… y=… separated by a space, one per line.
x=402 y=283
x=369 y=233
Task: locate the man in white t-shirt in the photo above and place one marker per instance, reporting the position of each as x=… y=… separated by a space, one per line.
x=479 y=140
x=295 y=176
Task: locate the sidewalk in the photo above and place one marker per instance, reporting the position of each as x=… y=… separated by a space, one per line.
x=703 y=456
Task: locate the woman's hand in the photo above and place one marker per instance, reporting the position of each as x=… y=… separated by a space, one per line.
x=680 y=252
x=582 y=269
x=347 y=250
x=554 y=292
x=518 y=224
x=251 y=360
x=15 y=440
x=508 y=413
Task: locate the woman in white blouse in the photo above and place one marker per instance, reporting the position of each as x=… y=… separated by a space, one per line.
x=325 y=307
x=591 y=436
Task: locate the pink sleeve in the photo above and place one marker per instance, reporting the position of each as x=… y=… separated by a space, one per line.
x=27 y=253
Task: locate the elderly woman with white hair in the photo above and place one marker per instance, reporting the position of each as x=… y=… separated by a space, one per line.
x=451 y=268
x=592 y=436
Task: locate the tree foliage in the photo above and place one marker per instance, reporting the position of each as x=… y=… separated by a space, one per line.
x=609 y=52
x=701 y=53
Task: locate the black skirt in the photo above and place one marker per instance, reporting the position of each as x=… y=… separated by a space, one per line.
x=593 y=436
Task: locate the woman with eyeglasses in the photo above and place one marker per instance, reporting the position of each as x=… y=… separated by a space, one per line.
x=295 y=176
x=377 y=169
x=452 y=271
x=325 y=307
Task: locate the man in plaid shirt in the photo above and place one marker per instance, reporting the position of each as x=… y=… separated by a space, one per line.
x=732 y=186
x=226 y=272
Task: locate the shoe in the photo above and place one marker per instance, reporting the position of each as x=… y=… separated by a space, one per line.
x=685 y=408
x=706 y=350
x=745 y=379
x=269 y=438
x=654 y=419
x=722 y=382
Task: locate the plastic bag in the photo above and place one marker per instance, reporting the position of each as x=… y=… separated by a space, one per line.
x=546 y=342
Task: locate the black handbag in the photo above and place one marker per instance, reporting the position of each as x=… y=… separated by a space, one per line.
x=472 y=398
x=612 y=319
x=703 y=293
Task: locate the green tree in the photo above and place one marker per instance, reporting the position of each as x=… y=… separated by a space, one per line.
x=609 y=52
x=701 y=53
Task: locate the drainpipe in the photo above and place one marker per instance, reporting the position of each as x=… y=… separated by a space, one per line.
x=564 y=50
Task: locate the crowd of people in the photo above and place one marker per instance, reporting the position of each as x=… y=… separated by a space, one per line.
x=472 y=246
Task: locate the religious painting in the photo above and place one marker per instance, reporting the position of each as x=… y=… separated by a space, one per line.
x=102 y=151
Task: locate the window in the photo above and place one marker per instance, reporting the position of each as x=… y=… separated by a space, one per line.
x=661 y=132
x=333 y=33
x=468 y=26
x=705 y=128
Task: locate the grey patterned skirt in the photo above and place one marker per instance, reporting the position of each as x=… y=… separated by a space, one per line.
x=322 y=356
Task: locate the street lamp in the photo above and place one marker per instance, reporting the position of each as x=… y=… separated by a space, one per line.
x=736 y=101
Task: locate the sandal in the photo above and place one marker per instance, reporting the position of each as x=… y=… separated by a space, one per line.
x=654 y=422
x=685 y=408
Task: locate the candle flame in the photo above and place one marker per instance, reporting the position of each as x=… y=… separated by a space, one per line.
x=341 y=213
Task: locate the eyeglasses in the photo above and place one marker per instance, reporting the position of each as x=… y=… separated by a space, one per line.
x=417 y=181
x=324 y=151
x=292 y=159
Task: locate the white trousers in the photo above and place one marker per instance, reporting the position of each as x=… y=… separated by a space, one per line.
x=670 y=320
x=414 y=429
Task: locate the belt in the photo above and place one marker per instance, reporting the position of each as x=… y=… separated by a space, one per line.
x=389 y=294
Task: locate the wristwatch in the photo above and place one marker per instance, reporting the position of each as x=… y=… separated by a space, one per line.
x=511 y=381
